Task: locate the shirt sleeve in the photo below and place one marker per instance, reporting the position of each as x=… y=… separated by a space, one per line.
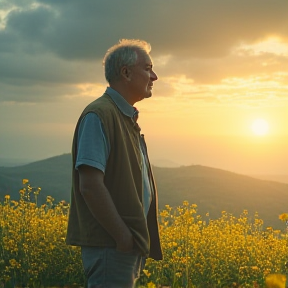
x=93 y=148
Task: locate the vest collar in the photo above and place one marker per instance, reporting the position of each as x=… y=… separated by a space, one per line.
x=120 y=102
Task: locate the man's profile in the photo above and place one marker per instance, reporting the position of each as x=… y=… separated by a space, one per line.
x=113 y=211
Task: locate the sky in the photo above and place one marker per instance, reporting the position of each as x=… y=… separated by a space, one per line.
x=221 y=64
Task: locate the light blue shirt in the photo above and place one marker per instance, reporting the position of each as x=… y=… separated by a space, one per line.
x=93 y=148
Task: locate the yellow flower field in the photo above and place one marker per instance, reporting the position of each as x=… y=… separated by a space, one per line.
x=198 y=252
x=227 y=252
x=32 y=247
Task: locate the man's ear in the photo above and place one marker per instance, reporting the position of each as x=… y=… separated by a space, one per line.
x=126 y=73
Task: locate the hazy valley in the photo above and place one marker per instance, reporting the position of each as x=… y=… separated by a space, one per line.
x=213 y=190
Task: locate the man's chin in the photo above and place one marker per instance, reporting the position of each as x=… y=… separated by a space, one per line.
x=148 y=95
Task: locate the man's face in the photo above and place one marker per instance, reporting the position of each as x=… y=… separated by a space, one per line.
x=142 y=77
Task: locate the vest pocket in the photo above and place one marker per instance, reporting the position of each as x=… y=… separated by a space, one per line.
x=139 y=230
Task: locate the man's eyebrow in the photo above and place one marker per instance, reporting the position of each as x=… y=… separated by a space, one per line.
x=149 y=65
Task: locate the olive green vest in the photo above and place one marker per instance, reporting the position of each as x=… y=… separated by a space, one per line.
x=123 y=179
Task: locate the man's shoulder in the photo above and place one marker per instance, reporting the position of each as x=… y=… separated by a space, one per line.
x=102 y=100
x=103 y=103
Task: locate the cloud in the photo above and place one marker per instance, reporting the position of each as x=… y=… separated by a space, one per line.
x=45 y=68
x=213 y=71
x=38 y=78
x=48 y=48
x=84 y=30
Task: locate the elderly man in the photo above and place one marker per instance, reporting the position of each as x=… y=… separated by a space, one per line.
x=113 y=212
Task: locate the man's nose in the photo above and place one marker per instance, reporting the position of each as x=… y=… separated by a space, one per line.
x=153 y=76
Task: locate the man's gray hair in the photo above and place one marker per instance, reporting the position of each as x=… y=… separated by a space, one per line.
x=123 y=54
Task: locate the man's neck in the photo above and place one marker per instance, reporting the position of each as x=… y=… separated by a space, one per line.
x=124 y=92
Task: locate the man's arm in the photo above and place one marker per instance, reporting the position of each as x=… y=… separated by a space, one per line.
x=100 y=204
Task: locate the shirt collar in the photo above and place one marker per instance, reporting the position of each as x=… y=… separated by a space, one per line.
x=120 y=102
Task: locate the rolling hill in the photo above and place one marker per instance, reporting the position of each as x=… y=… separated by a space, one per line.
x=213 y=190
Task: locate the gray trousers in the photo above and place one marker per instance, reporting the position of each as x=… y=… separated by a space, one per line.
x=109 y=268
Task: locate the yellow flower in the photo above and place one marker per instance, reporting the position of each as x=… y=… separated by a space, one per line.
x=147 y=273
x=24 y=181
x=151 y=285
x=168 y=207
x=283 y=217
x=275 y=281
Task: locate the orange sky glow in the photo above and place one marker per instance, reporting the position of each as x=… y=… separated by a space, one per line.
x=215 y=81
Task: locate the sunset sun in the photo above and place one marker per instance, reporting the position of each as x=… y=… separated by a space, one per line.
x=260 y=127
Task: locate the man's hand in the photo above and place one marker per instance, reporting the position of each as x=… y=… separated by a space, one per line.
x=125 y=243
x=99 y=202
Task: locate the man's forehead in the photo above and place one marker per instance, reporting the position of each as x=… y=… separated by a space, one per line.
x=144 y=58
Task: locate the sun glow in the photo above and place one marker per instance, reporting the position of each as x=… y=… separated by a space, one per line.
x=270 y=45
x=260 y=127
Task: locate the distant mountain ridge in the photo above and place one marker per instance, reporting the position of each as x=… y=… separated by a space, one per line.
x=283 y=178
x=13 y=162
x=213 y=190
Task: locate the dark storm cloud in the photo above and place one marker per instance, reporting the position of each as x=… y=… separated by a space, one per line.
x=45 y=68
x=30 y=25
x=37 y=78
x=50 y=41
x=84 y=29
